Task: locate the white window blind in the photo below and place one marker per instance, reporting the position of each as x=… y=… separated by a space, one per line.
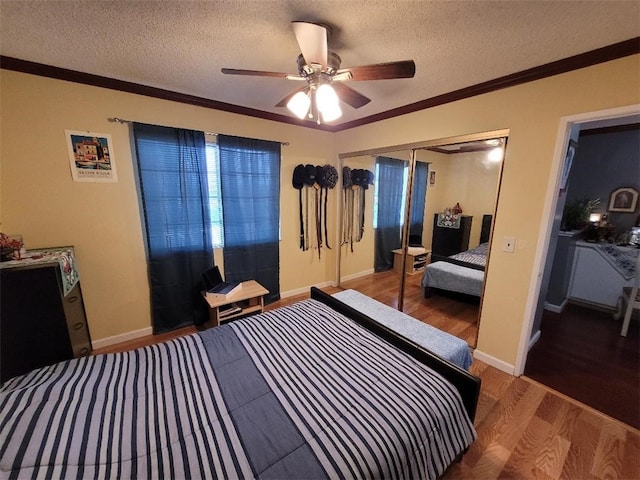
x=215 y=196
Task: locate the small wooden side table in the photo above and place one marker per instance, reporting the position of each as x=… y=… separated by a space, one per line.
x=417 y=259
x=249 y=298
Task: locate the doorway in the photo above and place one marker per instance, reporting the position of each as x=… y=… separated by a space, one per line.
x=575 y=336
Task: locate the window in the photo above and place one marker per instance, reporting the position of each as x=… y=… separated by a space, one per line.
x=405 y=180
x=215 y=195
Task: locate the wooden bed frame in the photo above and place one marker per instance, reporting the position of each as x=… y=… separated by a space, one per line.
x=467 y=385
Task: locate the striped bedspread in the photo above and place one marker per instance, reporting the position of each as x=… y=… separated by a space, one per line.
x=476 y=256
x=299 y=392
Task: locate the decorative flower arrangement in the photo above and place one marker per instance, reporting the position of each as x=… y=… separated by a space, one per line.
x=9 y=247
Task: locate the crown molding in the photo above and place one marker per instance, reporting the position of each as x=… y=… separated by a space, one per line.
x=593 y=57
x=576 y=62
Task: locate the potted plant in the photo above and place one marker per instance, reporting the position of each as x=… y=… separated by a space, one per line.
x=576 y=213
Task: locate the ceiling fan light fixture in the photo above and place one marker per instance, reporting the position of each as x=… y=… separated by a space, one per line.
x=299 y=104
x=332 y=113
x=328 y=103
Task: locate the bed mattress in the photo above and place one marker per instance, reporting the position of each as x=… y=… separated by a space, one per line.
x=297 y=392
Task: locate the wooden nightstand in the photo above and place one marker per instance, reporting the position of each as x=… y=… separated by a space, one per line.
x=249 y=299
x=417 y=259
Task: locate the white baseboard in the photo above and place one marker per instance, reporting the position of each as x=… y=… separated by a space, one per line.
x=123 y=337
x=494 y=362
x=534 y=339
x=556 y=308
x=143 y=332
x=357 y=275
x=301 y=290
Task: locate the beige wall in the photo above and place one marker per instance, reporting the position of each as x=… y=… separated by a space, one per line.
x=532 y=113
x=102 y=220
x=464 y=178
x=40 y=201
x=359 y=261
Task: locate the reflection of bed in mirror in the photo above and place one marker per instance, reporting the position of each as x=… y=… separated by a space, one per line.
x=462 y=272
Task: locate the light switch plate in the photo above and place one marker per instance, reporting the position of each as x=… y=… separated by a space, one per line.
x=509 y=244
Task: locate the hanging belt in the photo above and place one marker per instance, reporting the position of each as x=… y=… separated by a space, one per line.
x=301 y=219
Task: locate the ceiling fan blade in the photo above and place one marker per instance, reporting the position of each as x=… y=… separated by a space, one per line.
x=349 y=96
x=255 y=73
x=312 y=39
x=382 y=71
x=285 y=100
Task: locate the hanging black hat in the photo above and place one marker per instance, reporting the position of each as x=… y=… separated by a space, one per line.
x=346 y=177
x=298 y=177
x=359 y=177
x=298 y=182
x=367 y=179
x=309 y=175
x=321 y=178
x=370 y=177
x=327 y=176
x=331 y=176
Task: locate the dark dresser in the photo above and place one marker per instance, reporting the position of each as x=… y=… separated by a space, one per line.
x=449 y=237
x=42 y=316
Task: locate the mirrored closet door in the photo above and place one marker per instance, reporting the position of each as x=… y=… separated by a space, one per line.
x=408 y=217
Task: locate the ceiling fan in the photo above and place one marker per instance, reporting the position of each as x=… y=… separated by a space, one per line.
x=320 y=69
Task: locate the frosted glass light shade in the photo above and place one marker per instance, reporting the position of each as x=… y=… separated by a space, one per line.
x=328 y=103
x=299 y=104
x=331 y=113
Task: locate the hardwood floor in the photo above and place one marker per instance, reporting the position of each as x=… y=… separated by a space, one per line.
x=525 y=429
x=452 y=314
x=581 y=354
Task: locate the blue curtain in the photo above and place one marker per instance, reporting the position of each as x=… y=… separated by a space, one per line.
x=417 y=203
x=390 y=205
x=173 y=185
x=250 y=186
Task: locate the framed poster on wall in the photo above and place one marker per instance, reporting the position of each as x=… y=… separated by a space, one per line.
x=91 y=156
x=623 y=200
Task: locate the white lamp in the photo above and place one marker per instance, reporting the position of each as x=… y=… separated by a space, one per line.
x=328 y=103
x=299 y=104
x=325 y=100
x=595 y=217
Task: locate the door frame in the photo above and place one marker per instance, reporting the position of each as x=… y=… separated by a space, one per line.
x=551 y=200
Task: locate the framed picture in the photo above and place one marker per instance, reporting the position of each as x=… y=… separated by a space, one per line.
x=432 y=178
x=623 y=200
x=90 y=157
x=568 y=161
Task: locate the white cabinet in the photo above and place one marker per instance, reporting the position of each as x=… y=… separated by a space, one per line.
x=594 y=280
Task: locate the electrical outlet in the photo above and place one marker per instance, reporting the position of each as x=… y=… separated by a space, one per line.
x=509 y=244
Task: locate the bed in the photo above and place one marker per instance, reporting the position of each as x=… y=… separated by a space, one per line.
x=460 y=273
x=315 y=389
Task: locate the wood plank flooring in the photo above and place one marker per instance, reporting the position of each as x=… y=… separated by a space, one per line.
x=528 y=431
x=581 y=354
x=525 y=429
x=452 y=314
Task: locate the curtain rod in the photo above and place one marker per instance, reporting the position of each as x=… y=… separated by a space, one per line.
x=121 y=120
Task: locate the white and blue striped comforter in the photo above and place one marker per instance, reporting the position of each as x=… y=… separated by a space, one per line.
x=300 y=392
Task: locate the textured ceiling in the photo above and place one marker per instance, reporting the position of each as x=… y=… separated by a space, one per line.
x=182 y=45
